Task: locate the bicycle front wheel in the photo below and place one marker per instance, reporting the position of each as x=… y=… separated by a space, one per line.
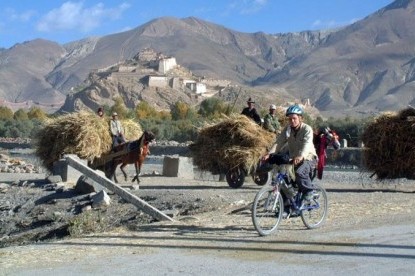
x=314 y=211
x=267 y=210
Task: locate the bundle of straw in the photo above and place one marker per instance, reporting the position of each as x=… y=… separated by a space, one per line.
x=235 y=142
x=132 y=129
x=81 y=133
x=390 y=145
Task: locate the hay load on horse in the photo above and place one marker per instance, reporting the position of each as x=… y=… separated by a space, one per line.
x=390 y=147
x=81 y=133
x=236 y=142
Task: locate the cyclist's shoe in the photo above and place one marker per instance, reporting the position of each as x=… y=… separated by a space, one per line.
x=294 y=214
x=286 y=213
x=311 y=195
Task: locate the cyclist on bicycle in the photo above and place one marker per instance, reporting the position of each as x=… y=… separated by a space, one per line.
x=299 y=138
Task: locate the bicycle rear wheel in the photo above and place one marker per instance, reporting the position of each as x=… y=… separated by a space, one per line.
x=267 y=210
x=314 y=211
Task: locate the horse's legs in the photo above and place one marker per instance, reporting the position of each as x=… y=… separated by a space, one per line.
x=123 y=172
x=110 y=168
x=113 y=172
x=137 y=172
x=115 y=177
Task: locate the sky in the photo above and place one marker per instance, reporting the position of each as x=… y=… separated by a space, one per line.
x=66 y=21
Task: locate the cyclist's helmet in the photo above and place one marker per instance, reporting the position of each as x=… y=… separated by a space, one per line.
x=294 y=109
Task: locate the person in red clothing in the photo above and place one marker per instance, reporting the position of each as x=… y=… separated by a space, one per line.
x=322 y=139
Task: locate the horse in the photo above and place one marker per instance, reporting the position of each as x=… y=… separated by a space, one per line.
x=323 y=138
x=135 y=153
x=145 y=150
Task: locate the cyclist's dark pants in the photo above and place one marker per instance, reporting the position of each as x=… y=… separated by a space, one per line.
x=303 y=175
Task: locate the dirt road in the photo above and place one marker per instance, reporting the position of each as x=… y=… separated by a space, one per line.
x=370 y=230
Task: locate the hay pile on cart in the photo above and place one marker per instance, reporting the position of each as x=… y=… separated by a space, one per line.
x=234 y=142
x=390 y=145
x=81 y=133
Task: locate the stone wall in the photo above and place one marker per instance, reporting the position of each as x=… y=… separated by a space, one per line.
x=14 y=145
x=157 y=81
x=345 y=157
x=213 y=82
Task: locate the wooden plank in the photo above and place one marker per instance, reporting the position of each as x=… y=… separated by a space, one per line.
x=108 y=157
x=76 y=163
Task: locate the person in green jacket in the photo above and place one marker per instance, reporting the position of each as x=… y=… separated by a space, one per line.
x=271 y=122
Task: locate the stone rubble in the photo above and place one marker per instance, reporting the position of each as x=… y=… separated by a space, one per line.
x=14 y=165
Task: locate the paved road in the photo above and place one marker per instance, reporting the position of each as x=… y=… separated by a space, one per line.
x=184 y=248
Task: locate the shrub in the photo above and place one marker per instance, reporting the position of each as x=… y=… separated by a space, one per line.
x=5 y=113
x=86 y=223
x=20 y=115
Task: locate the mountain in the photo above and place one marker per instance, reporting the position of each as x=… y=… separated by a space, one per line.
x=363 y=68
x=205 y=48
x=366 y=67
x=22 y=71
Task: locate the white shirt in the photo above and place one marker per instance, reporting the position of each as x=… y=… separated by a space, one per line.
x=115 y=127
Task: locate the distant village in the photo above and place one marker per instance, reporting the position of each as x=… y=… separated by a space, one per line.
x=162 y=71
x=154 y=70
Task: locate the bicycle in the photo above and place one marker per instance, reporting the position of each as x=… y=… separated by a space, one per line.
x=268 y=207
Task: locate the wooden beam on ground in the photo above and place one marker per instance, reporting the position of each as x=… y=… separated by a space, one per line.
x=76 y=163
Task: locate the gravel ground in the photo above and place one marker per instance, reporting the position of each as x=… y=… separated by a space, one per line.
x=207 y=215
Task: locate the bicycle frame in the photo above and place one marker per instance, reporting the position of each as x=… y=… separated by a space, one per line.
x=296 y=203
x=271 y=201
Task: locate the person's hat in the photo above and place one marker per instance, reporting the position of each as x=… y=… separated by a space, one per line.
x=273 y=106
x=114 y=114
x=250 y=101
x=100 y=109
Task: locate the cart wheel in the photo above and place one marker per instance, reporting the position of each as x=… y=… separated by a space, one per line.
x=235 y=178
x=261 y=178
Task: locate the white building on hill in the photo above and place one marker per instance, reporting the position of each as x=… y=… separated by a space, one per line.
x=166 y=64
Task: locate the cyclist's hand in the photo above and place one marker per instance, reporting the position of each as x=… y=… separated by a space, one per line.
x=265 y=158
x=297 y=160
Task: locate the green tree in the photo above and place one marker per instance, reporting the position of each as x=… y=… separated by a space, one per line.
x=307 y=119
x=20 y=115
x=5 y=113
x=37 y=113
x=213 y=108
x=181 y=111
x=120 y=107
x=16 y=128
x=143 y=110
x=164 y=115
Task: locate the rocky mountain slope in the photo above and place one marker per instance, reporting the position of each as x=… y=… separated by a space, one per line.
x=366 y=67
x=23 y=71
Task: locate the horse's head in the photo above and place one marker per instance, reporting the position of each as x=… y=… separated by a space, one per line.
x=149 y=137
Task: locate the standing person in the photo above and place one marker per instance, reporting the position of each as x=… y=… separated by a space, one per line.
x=100 y=112
x=271 y=120
x=271 y=123
x=299 y=138
x=116 y=130
x=251 y=112
x=322 y=139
